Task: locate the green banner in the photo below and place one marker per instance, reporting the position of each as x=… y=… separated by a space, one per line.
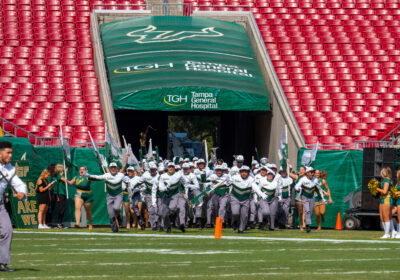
x=344 y=170
x=39 y=158
x=24 y=213
x=182 y=64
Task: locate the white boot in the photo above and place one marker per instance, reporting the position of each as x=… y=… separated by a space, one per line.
x=386 y=227
x=398 y=231
x=394 y=232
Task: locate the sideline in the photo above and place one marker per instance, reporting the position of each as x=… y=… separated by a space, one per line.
x=177 y=236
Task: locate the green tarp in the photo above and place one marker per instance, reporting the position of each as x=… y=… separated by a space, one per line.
x=33 y=160
x=344 y=179
x=344 y=170
x=182 y=64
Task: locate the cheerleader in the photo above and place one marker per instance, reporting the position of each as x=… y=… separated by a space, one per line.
x=83 y=196
x=385 y=200
x=307 y=185
x=396 y=203
x=320 y=200
x=296 y=178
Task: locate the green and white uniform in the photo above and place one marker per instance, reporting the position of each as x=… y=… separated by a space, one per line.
x=307 y=187
x=219 y=196
x=386 y=199
x=284 y=199
x=174 y=203
x=269 y=204
x=396 y=202
x=319 y=195
x=114 y=195
x=83 y=191
x=149 y=195
x=297 y=194
x=240 y=199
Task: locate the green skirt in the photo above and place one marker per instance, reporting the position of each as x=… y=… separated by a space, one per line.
x=87 y=197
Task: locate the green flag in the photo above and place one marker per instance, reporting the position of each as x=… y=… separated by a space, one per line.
x=283 y=149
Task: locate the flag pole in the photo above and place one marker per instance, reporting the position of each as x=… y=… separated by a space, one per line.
x=65 y=170
x=66 y=180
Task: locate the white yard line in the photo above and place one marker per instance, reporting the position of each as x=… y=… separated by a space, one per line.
x=59 y=277
x=350 y=260
x=208 y=275
x=177 y=236
x=156 y=251
x=264 y=274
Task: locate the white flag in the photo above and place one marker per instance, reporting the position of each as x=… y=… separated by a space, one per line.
x=132 y=160
x=309 y=155
x=150 y=152
x=283 y=149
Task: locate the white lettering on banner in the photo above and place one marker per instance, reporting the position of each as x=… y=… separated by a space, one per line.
x=217 y=68
x=189 y=66
x=198 y=100
x=203 y=100
x=176 y=98
x=144 y=67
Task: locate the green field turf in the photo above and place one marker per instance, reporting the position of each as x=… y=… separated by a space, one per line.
x=283 y=254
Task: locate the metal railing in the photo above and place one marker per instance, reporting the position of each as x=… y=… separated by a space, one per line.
x=13 y=130
x=89 y=144
x=157 y=9
x=336 y=147
x=361 y=144
x=392 y=134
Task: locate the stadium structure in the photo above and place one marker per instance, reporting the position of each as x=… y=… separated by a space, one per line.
x=328 y=69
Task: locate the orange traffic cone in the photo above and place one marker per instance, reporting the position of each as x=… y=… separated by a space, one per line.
x=218 y=227
x=338 y=222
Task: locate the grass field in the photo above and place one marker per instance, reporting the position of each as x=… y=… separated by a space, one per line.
x=284 y=254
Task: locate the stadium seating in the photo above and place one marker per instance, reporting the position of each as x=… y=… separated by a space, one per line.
x=47 y=75
x=338 y=62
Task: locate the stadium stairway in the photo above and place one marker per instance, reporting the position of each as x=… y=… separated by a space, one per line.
x=337 y=61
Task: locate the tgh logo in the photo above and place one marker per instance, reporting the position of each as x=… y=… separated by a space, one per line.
x=175 y=100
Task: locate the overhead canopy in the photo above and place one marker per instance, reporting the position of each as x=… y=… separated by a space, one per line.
x=178 y=63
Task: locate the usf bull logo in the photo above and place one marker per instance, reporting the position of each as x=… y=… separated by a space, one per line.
x=151 y=35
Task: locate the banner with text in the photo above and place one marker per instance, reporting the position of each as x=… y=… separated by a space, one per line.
x=182 y=64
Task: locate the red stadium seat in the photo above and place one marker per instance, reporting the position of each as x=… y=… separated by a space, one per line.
x=337 y=60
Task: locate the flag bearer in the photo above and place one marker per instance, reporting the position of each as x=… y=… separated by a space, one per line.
x=284 y=197
x=269 y=204
x=7 y=177
x=307 y=185
x=192 y=187
x=113 y=180
x=242 y=186
x=219 y=196
x=150 y=181
x=172 y=184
